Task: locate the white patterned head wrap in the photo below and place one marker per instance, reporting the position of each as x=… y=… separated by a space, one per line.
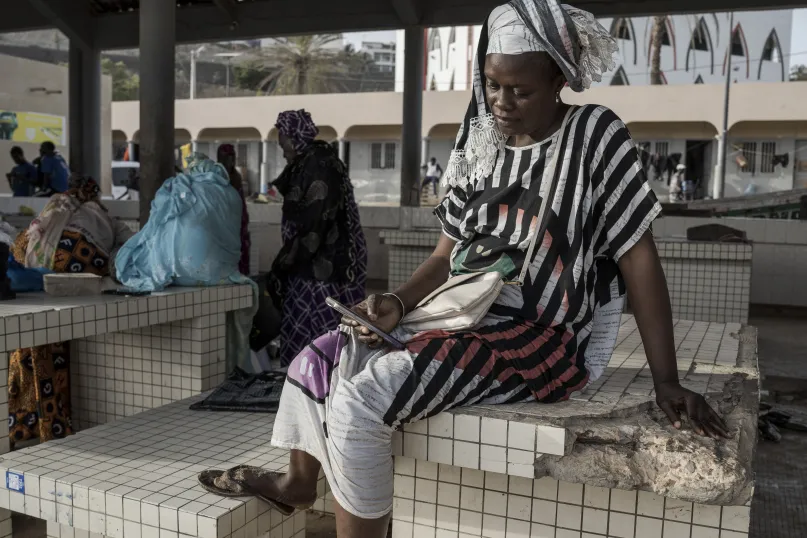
x=577 y=43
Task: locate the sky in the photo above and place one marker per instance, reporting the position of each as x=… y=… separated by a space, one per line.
x=798 y=48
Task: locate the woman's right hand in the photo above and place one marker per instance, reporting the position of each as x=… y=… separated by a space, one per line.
x=383 y=311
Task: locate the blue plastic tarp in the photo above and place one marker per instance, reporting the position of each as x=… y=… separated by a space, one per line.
x=193 y=238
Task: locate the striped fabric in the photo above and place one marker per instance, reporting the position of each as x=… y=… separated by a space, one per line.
x=602 y=207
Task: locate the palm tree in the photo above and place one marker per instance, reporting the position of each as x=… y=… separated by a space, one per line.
x=655 y=50
x=304 y=64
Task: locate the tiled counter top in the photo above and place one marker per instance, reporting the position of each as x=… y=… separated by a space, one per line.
x=34 y=319
x=136 y=477
x=573 y=469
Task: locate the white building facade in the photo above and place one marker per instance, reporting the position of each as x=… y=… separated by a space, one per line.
x=694 y=51
x=383 y=55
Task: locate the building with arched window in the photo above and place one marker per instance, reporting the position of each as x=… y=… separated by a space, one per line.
x=693 y=49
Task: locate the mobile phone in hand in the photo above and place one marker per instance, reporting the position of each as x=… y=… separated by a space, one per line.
x=348 y=313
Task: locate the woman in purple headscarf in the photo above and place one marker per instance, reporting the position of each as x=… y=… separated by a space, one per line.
x=324 y=252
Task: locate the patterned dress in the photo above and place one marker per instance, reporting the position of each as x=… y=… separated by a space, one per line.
x=324 y=252
x=72 y=234
x=541 y=341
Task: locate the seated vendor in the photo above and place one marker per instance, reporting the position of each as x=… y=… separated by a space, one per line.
x=541 y=341
x=73 y=234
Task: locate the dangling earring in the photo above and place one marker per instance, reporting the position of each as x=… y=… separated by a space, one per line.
x=557 y=97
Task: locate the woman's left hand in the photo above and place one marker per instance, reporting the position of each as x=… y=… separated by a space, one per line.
x=674 y=400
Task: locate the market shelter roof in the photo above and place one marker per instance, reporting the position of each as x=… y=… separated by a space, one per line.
x=109 y=24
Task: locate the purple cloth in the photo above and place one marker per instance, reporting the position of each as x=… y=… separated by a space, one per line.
x=297 y=126
x=305 y=314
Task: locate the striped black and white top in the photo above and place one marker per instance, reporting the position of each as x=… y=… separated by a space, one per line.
x=601 y=208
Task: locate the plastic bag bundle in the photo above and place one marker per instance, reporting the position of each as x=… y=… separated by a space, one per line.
x=192 y=237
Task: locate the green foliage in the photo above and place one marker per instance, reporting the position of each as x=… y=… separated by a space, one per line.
x=798 y=73
x=125 y=85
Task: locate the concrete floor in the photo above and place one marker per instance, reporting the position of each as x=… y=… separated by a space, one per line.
x=779 y=509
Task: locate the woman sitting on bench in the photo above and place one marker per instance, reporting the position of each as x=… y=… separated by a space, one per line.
x=520 y=149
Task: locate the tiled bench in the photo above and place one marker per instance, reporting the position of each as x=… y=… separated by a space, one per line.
x=604 y=464
x=136 y=478
x=127 y=354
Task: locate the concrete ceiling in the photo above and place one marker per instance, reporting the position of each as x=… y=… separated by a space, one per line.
x=111 y=24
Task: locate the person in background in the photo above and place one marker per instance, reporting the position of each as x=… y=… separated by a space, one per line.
x=676 y=184
x=324 y=253
x=433 y=174
x=226 y=157
x=23 y=177
x=74 y=233
x=53 y=168
x=687 y=184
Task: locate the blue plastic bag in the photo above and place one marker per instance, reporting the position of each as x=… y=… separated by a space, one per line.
x=24 y=278
x=193 y=238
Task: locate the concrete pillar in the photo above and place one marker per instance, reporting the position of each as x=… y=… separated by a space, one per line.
x=84 y=101
x=342 y=149
x=412 y=117
x=130 y=147
x=157 y=44
x=266 y=166
x=195 y=146
x=424 y=151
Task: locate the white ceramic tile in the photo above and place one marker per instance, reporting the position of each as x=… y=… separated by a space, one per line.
x=440 y=450
x=415 y=446
x=496 y=482
x=706 y=515
x=403 y=510
x=570 y=493
x=448 y=494
x=470 y=522
x=595 y=497
x=676 y=510
x=466 y=454
x=448 y=518
x=621 y=525
x=467 y=428
x=518 y=529
x=519 y=507
x=650 y=505
x=494 y=431
x=623 y=501
x=538 y=530
x=426 y=469
x=495 y=503
x=521 y=436
x=649 y=527
x=733 y=534
x=493 y=526
x=546 y=488
x=426 y=491
x=736 y=518
x=472 y=498
x=569 y=516
x=705 y=532
x=674 y=529
x=595 y=520
x=550 y=440
x=442 y=425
